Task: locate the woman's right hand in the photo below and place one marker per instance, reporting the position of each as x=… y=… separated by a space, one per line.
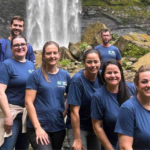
x=77 y=145
x=42 y=136
x=8 y=123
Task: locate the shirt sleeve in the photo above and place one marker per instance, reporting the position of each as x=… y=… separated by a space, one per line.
x=32 y=82
x=5 y=74
x=132 y=88
x=97 y=108
x=125 y=122
x=75 y=94
x=118 y=55
x=30 y=54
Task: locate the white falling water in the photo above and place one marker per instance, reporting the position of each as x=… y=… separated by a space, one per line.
x=56 y=20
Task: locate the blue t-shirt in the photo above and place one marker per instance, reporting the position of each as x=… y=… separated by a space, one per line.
x=107 y=53
x=49 y=101
x=14 y=74
x=8 y=53
x=80 y=94
x=105 y=107
x=134 y=121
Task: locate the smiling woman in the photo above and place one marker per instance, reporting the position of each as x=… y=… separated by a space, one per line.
x=82 y=87
x=106 y=103
x=133 y=122
x=13 y=76
x=19 y=48
x=45 y=101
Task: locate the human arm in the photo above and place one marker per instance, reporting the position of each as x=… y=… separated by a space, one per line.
x=125 y=142
x=5 y=109
x=75 y=122
x=66 y=106
x=120 y=61
x=100 y=133
x=29 y=103
x=125 y=127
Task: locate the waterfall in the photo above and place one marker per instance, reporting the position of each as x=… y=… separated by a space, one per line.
x=56 y=20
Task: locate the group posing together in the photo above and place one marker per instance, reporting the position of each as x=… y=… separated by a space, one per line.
x=103 y=110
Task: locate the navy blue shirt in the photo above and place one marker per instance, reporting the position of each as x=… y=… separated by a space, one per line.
x=8 y=53
x=134 y=121
x=14 y=74
x=49 y=101
x=80 y=94
x=107 y=53
x=106 y=107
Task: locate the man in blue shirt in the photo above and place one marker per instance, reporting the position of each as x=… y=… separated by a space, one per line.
x=16 y=28
x=107 y=50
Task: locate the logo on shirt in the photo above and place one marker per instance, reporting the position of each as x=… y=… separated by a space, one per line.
x=111 y=53
x=30 y=71
x=61 y=83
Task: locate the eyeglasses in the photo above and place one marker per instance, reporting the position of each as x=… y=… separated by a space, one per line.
x=18 y=45
x=105 y=35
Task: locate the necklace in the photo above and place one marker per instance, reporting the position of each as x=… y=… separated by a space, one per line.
x=53 y=74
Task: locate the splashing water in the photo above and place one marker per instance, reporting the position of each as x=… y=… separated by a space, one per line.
x=56 y=20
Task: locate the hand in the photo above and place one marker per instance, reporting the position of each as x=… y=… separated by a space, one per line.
x=77 y=145
x=42 y=135
x=8 y=123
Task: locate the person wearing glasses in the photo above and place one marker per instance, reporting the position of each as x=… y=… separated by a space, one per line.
x=16 y=28
x=107 y=50
x=13 y=76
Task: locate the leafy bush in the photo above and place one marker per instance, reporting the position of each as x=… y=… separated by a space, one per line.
x=134 y=51
x=83 y=46
x=64 y=62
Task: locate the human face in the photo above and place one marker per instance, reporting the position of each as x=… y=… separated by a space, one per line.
x=143 y=86
x=112 y=75
x=106 y=37
x=19 y=48
x=92 y=63
x=17 y=27
x=51 y=55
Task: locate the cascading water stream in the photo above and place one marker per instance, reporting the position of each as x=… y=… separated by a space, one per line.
x=56 y=20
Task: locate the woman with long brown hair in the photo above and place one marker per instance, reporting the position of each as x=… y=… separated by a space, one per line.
x=45 y=101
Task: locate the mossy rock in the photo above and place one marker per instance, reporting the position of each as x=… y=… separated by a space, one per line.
x=91 y=35
x=133 y=44
x=145 y=60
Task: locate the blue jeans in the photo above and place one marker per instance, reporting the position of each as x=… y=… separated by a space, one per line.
x=18 y=140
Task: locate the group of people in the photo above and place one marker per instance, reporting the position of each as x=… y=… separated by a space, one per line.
x=103 y=110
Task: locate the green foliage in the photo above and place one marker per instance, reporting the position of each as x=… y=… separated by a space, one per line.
x=64 y=62
x=134 y=51
x=124 y=64
x=83 y=46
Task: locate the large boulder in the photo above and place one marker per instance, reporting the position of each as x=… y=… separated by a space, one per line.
x=145 y=60
x=65 y=54
x=77 y=51
x=92 y=35
x=38 y=57
x=133 y=41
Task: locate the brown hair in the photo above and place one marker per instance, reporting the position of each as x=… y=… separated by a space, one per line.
x=104 y=30
x=16 y=18
x=143 y=68
x=17 y=37
x=43 y=66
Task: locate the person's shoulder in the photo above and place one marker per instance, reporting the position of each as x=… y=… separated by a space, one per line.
x=130 y=104
x=97 y=47
x=130 y=84
x=9 y=61
x=63 y=71
x=114 y=47
x=78 y=76
x=100 y=92
x=2 y=40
